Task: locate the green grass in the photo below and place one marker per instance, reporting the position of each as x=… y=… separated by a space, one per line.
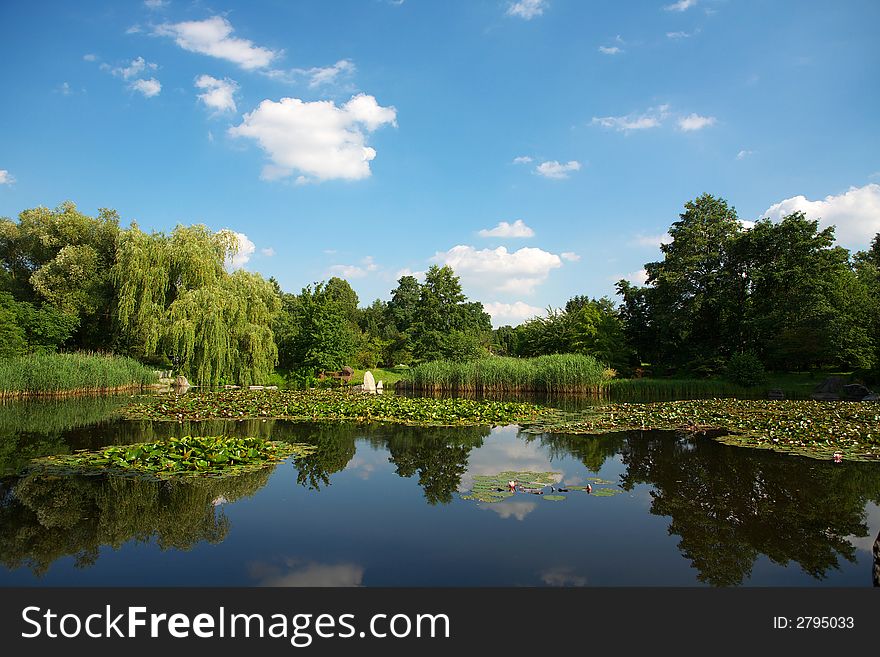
x=556 y=373
x=388 y=377
x=75 y=373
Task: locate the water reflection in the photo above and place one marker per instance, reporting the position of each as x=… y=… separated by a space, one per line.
x=45 y=517
x=378 y=505
x=729 y=505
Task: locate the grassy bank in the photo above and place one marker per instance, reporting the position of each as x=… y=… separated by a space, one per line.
x=557 y=373
x=63 y=374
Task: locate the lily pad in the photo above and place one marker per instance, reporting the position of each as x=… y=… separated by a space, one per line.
x=554 y=498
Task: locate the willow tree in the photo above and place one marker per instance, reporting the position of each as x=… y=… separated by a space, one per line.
x=176 y=298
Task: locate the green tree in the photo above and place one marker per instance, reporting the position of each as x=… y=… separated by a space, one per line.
x=176 y=298
x=696 y=297
x=62 y=258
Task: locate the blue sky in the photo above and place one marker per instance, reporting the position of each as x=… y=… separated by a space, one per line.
x=540 y=147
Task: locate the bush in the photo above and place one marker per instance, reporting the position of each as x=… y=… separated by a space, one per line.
x=745 y=369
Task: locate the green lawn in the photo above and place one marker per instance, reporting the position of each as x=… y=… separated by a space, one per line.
x=387 y=377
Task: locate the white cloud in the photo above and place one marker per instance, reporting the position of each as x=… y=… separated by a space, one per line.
x=639 y=277
x=137 y=66
x=6 y=178
x=695 y=122
x=219 y=94
x=746 y=224
x=499 y=270
x=652 y=118
x=522 y=159
x=328 y=74
x=156 y=4
x=268 y=252
x=557 y=170
x=610 y=50
x=134 y=29
x=652 y=240
x=681 y=5
x=855 y=213
x=354 y=271
x=148 y=88
x=678 y=35
x=213 y=37
x=743 y=154
x=527 y=9
x=571 y=256
x=89 y=57
x=406 y=271
x=875 y=175
x=65 y=89
x=504 y=229
x=317 y=139
x=511 y=313
x=246 y=250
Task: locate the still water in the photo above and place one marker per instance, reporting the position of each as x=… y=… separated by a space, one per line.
x=381 y=505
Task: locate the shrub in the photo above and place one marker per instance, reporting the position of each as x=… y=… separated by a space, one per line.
x=745 y=369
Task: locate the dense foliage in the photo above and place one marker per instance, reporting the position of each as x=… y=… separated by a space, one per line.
x=780 y=291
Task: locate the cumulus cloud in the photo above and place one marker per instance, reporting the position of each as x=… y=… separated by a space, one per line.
x=213 y=37
x=743 y=154
x=694 y=122
x=522 y=159
x=504 y=229
x=319 y=139
x=681 y=5
x=137 y=66
x=499 y=270
x=652 y=240
x=218 y=94
x=148 y=88
x=246 y=250
x=610 y=50
x=639 y=277
x=156 y=4
x=652 y=118
x=90 y=57
x=527 y=9
x=557 y=170
x=406 y=271
x=855 y=213
x=571 y=256
x=366 y=266
x=328 y=74
x=268 y=252
x=511 y=313
x=6 y=178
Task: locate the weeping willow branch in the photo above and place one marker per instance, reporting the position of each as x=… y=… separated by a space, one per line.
x=175 y=297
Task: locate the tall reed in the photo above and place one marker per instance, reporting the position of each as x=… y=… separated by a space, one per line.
x=556 y=373
x=74 y=373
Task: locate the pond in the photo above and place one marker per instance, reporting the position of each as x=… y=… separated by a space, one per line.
x=393 y=505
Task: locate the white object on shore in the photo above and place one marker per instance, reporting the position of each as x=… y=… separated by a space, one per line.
x=369 y=382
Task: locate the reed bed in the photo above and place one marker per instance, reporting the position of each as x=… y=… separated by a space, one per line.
x=555 y=373
x=673 y=389
x=50 y=374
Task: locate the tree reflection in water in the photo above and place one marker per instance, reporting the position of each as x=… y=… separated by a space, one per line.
x=44 y=517
x=730 y=505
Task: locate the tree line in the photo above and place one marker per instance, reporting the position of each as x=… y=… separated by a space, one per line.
x=776 y=295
